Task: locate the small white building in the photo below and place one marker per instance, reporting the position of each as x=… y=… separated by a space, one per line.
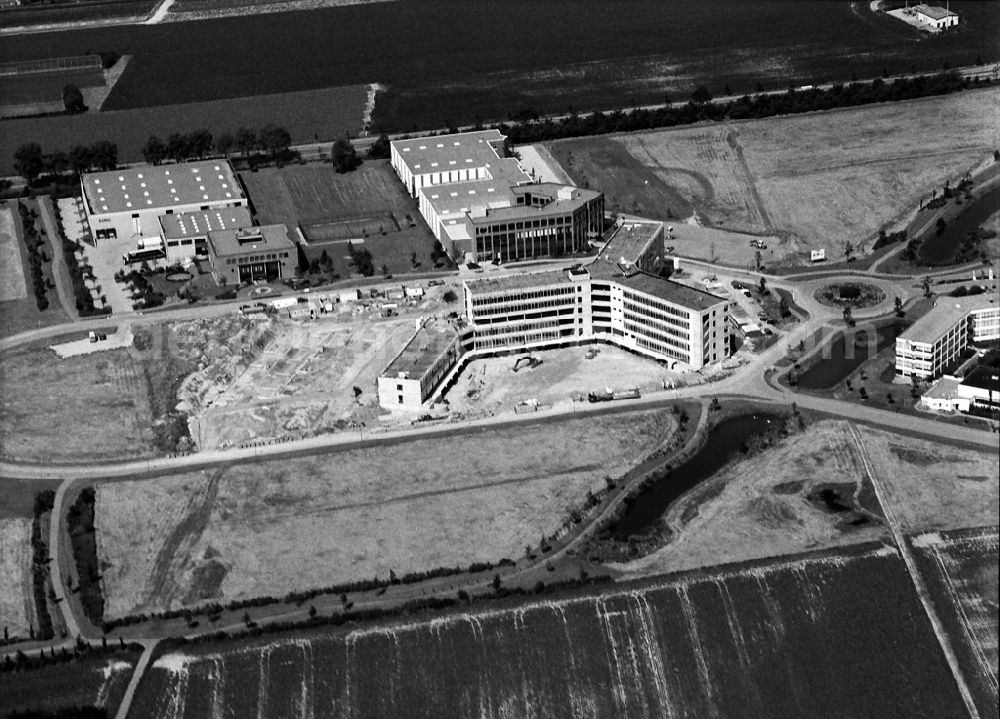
x=935 y=16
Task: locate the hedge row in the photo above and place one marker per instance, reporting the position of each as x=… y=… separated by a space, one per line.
x=44 y=501
x=363 y=585
x=747 y=107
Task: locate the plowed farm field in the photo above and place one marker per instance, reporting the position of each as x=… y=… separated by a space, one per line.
x=273 y=527
x=89 y=681
x=960 y=569
x=822 y=636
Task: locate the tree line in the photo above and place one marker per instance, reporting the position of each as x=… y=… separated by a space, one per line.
x=36 y=257
x=245 y=141
x=701 y=107
x=30 y=162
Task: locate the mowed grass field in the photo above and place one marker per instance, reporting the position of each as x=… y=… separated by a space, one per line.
x=273 y=527
x=368 y=206
x=815 y=181
x=330 y=112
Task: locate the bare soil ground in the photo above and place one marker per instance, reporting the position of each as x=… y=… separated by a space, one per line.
x=15 y=576
x=300 y=383
x=270 y=528
x=771 y=505
x=936 y=486
x=816 y=180
x=490 y=385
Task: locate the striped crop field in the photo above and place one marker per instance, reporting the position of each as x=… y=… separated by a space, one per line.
x=960 y=569
x=822 y=635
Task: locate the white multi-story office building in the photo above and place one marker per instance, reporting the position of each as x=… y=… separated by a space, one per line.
x=925 y=348
x=613 y=299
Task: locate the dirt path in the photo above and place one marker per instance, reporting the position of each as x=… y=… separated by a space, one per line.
x=161 y=587
x=64 y=285
x=914 y=572
x=133 y=683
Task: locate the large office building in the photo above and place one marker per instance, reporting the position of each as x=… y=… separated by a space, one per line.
x=249 y=254
x=127 y=204
x=614 y=298
x=185 y=236
x=483 y=206
x=935 y=340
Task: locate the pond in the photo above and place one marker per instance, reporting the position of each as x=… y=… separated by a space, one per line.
x=843 y=357
x=724 y=442
x=940 y=249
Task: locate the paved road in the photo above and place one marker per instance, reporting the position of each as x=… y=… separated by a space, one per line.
x=60 y=562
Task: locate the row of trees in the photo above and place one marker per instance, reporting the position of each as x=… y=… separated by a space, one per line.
x=36 y=257
x=245 y=141
x=700 y=107
x=30 y=162
x=79 y=274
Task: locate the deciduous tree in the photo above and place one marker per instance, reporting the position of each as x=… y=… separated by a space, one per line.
x=28 y=161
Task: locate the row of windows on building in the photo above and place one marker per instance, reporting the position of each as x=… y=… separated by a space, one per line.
x=520 y=295
x=664 y=340
x=256 y=258
x=674 y=319
x=498 y=227
x=643 y=299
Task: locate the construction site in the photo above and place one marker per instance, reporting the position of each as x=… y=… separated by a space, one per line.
x=303 y=379
x=517 y=383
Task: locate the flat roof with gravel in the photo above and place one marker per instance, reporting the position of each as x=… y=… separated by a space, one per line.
x=240 y=241
x=430 y=342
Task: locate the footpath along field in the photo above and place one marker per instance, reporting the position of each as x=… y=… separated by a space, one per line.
x=816 y=181
x=274 y=527
x=825 y=635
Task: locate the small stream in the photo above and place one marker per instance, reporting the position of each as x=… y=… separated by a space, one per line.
x=724 y=442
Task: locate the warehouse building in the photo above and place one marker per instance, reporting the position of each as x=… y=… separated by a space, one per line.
x=481 y=204
x=185 y=236
x=925 y=348
x=127 y=204
x=249 y=254
x=613 y=299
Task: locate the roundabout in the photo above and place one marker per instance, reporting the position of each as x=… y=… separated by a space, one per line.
x=853 y=294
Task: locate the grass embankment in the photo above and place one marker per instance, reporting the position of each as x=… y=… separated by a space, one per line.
x=80 y=525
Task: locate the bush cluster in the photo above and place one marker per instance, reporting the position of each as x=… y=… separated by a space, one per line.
x=21 y=661
x=80 y=525
x=44 y=501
